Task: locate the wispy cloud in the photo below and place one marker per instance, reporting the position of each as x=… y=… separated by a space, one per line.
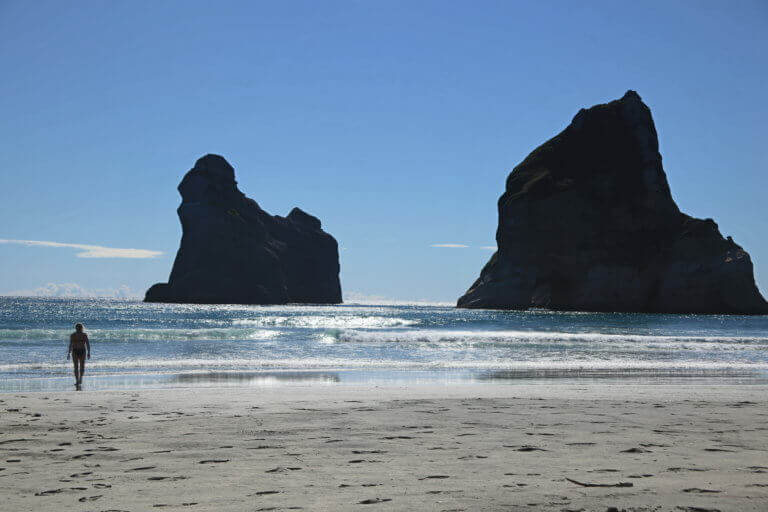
x=90 y=251
x=488 y=247
x=75 y=290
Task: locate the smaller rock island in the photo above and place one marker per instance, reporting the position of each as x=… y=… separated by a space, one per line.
x=233 y=252
x=588 y=223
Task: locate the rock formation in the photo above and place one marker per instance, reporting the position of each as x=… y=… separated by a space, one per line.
x=587 y=223
x=233 y=252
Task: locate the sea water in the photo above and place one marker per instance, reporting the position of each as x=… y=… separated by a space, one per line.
x=135 y=345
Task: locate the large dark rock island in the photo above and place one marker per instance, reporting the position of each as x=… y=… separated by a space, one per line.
x=233 y=252
x=587 y=223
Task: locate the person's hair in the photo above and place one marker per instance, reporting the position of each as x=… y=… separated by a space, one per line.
x=78 y=327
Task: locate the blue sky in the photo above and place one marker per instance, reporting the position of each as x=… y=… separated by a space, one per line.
x=395 y=123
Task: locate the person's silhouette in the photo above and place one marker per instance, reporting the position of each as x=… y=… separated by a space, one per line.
x=79 y=347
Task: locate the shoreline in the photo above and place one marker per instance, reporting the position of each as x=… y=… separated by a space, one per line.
x=432 y=447
x=345 y=377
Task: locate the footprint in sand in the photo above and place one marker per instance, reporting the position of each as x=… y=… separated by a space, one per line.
x=281 y=469
x=57 y=491
x=638 y=449
x=142 y=468
x=15 y=441
x=49 y=492
x=372 y=501
x=525 y=448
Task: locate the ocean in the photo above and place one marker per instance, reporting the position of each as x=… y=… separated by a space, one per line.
x=137 y=345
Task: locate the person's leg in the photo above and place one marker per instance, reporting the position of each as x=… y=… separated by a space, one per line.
x=82 y=368
x=76 y=362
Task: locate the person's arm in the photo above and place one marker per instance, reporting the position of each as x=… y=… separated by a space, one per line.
x=69 y=349
x=88 y=345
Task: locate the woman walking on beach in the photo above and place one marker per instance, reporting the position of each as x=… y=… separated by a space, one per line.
x=79 y=346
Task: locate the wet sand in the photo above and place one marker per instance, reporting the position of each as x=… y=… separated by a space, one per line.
x=542 y=447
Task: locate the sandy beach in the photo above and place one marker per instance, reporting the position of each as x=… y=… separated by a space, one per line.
x=460 y=447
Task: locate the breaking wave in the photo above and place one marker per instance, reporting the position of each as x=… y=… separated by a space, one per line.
x=122 y=335
x=328 y=322
x=465 y=339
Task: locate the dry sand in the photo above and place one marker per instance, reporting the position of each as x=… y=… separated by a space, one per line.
x=336 y=447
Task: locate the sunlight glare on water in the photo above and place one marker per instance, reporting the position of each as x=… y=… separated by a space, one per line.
x=155 y=344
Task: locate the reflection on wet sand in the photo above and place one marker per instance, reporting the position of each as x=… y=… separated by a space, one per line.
x=275 y=378
x=253 y=378
x=661 y=375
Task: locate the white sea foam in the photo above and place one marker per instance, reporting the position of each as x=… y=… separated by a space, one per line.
x=586 y=340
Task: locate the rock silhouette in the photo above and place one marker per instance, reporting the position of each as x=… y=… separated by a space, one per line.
x=233 y=252
x=587 y=223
